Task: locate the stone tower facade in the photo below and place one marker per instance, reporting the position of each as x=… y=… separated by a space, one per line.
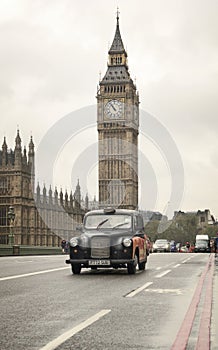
x=118 y=124
x=17 y=187
x=43 y=218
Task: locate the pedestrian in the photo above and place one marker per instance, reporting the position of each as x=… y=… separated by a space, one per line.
x=66 y=249
x=63 y=245
x=188 y=246
x=212 y=246
x=216 y=243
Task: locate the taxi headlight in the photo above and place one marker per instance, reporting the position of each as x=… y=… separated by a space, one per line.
x=74 y=242
x=127 y=242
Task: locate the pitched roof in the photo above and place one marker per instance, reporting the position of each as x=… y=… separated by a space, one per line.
x=117 y=45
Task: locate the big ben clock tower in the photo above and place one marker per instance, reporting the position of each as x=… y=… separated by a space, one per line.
x=118 y=123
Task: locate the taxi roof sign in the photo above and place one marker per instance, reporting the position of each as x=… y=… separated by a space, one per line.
x=109 y=210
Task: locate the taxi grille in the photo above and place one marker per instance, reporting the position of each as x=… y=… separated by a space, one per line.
x=100 y=247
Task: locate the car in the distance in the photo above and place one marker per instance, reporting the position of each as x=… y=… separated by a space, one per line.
x=161 y=245
x=148 y=244
x=110 y=238
x=173 y=247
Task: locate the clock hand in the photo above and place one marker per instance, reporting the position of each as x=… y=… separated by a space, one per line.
x=113 y=107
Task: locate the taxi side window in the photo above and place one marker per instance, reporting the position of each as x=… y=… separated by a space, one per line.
x=138 y=222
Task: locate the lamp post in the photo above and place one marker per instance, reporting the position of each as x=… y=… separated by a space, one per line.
x=11 y=217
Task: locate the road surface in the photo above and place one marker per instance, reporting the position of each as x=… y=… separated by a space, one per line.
x=45 y=307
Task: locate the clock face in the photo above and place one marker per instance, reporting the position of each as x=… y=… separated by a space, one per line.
x=114 y=109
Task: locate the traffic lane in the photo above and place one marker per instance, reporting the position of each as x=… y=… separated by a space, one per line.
x=150 y=320
x=12 y=266
x=37 y=308
x=58 y=301
x=16 y=265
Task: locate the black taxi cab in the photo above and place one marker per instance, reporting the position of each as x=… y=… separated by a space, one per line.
x=110 y=238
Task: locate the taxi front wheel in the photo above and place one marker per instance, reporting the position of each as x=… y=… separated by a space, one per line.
x=142 y=265
x=76 y=268
x=131 y=267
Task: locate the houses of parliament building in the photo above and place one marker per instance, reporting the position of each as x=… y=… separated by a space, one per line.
x=46 y=217
x=41 y=218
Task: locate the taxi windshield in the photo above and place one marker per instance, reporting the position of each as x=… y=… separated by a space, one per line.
x=118 y=221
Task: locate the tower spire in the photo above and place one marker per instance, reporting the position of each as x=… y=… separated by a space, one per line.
x=117 y=46
x=118 y=12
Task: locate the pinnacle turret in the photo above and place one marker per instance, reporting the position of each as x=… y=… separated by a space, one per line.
x=4 y=145
x=31 y=146
x=18 y=141
x=4 y=152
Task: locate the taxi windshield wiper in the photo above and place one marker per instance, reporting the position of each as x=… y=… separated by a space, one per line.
x=121 y=224
x=102 y=223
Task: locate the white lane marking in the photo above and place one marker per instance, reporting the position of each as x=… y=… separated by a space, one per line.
x=177 y=265
x=138 y=290
x=184 y=261
x=158 y=268
x=65 y=336
x=164 y=291
x=34 y=257
x=163 y=274
x=32 y=274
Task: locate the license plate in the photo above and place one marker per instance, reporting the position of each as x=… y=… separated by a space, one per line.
x=99 y=262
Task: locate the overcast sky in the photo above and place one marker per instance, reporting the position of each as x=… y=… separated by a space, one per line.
x=51 y=56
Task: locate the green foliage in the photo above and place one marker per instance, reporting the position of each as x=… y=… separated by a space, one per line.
x=182 y=229
x=210 y=230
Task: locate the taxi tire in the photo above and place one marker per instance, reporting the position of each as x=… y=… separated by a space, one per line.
x=131 y=267
x=76 y=268
x=142 y=265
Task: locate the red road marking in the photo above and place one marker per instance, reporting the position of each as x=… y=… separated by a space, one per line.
x=182 y=337
x=204 y=330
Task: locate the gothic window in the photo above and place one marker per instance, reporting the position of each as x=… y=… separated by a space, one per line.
x=3 y=185
x=3 y=216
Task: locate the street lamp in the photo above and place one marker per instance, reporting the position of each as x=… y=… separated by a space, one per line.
x=11 y=217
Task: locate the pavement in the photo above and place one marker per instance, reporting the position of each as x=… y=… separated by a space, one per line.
x=214 y=316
